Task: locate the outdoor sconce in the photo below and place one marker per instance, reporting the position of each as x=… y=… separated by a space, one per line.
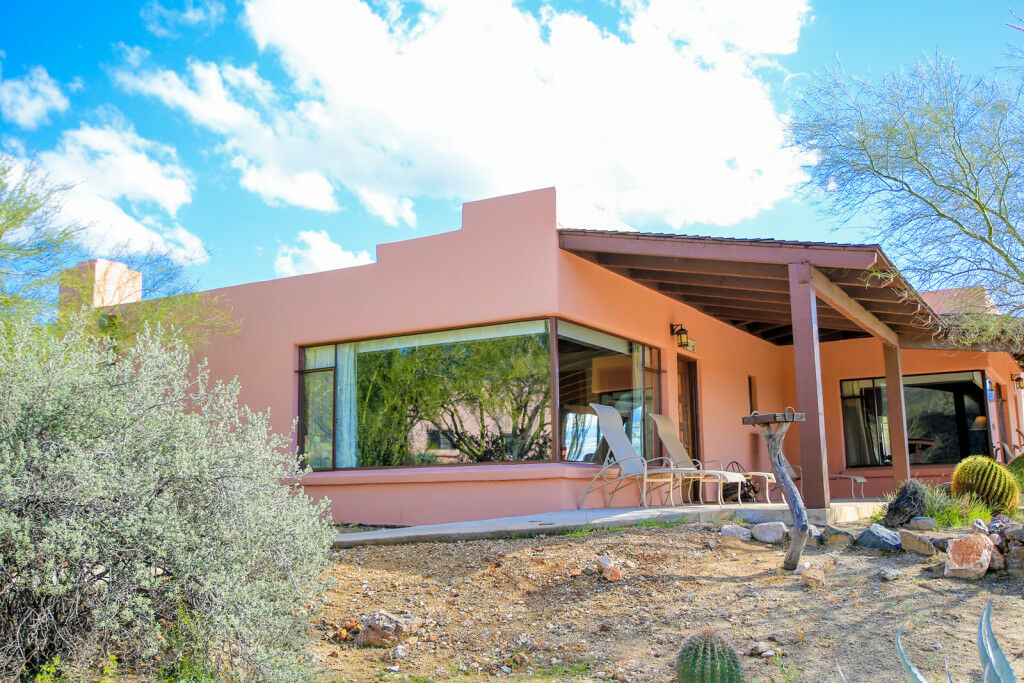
x=1018 y=382
x=682 y=336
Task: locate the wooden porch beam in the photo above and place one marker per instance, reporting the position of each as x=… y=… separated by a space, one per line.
x=639 y=244
x=807 y=373
x=829 y=292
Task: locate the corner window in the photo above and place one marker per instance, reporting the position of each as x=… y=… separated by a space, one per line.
x=946 y=419
x=594 y=367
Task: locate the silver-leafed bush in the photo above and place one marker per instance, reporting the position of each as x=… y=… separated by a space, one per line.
x=144 y=514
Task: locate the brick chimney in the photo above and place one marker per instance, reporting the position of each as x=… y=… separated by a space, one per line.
x=100 y=283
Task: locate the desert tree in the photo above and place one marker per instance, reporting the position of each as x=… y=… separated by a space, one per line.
x=933 y=159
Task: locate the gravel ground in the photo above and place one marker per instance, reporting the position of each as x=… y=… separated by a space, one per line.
x=535 y=608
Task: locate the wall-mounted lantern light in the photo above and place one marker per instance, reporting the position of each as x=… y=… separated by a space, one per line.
x=1018 y=382
x=682 y=336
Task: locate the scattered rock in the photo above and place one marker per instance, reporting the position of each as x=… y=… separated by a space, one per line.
x=399 y=652
x=1014 y=532
x=769 y=532
x=612 y=574
x=979 y=526
x=888 y=574
x=940 y=543
x=759 y=648
x=802 y=567
x=736 y=531
x=380 y=629
x=997 y=561
x=575 y=571
x=968 y=557
x=907 y=504
x=922 y=523
x=604 y=562
x=878 y=537
x=768 y=654
x=712 y=544
x=836 y=538
x=813 y=577
x=1014 y=560
x=916 y=543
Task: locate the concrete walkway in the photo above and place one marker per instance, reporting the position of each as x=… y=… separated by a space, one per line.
x=562 y=521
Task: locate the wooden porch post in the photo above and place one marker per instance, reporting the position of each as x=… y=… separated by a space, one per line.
x=897 y=415
x=807 y=371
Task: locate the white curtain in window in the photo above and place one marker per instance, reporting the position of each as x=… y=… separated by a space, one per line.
x=346 y=446
x=452 y=336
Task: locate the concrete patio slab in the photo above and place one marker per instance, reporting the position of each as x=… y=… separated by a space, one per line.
x=561 y=521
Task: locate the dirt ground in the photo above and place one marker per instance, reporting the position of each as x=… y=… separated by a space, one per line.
x=533 y=608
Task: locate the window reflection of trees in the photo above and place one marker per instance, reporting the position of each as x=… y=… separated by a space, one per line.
x=489 y=398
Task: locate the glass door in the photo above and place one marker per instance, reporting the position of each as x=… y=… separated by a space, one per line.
x=688 y=410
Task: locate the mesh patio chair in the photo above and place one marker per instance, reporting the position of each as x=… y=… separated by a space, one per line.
x=680 y=458
x=623 y=467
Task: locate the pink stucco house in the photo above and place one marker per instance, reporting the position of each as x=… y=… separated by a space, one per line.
x=450 y=379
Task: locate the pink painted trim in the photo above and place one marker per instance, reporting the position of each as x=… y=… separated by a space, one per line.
x=416 y=475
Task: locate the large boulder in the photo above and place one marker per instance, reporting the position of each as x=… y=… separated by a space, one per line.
x=1014 y=560
x=969 y=557
x=922 y=523
x=381 y=629
x=736 y=531
x=835 y=538
x=916 y=543
x=878 y=537
x=770 y=532
x=908 y=503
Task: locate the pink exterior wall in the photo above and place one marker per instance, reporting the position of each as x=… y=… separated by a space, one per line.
x=505 y=264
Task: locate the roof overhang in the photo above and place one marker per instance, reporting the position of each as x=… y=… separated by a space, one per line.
x=746 y=283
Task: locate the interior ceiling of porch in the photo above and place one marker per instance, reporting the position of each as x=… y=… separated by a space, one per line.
x=745 y=282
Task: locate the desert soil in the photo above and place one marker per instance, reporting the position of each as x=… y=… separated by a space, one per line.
x=534 y=608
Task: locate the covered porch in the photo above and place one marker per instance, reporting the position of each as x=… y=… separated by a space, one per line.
x=796 y=294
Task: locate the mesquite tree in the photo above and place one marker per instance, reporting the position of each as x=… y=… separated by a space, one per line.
x=934 y=159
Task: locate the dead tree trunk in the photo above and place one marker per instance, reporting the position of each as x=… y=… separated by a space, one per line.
x=773 y=428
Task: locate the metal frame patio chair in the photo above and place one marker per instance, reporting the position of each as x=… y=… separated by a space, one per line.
x=795 y=472
x=623 y=467
x=680 y=458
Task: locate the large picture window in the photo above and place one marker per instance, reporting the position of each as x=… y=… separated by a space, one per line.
x=473 y=395
x=946 y=419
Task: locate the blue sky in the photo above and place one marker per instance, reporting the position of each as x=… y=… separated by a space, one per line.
x=259 y=139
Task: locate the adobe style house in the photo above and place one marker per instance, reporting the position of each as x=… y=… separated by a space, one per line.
x=450 y=379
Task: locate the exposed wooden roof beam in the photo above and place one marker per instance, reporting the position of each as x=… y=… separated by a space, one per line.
x=847 y=256
x=830 y=292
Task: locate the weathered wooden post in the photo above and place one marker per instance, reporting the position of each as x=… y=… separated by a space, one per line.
x=774 y=427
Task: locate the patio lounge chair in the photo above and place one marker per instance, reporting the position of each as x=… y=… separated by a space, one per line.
x=680 y=459
x=795 y=473
x=769 y=478
x=622 y=466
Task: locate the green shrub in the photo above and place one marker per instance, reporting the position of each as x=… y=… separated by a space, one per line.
x=1016 y=467
x=992 y=483
x=145 y=514
x=954 y=512
x=706 y=658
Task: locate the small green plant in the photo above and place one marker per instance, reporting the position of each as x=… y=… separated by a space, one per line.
x=50 y=672
x=950 y=511
x=655 y=524
x=988 y=480
x=994 y=664
x=579 y=532
x=707 y=658
x=784 y=669
x=1016 y=468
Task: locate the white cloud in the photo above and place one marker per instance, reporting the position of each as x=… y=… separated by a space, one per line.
x=665 y=120
x=164 y=21
x=28 y=101
x=313 y=252
x=126 y=191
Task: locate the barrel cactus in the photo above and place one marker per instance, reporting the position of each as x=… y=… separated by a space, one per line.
x=707 y=658
x=989 y=481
